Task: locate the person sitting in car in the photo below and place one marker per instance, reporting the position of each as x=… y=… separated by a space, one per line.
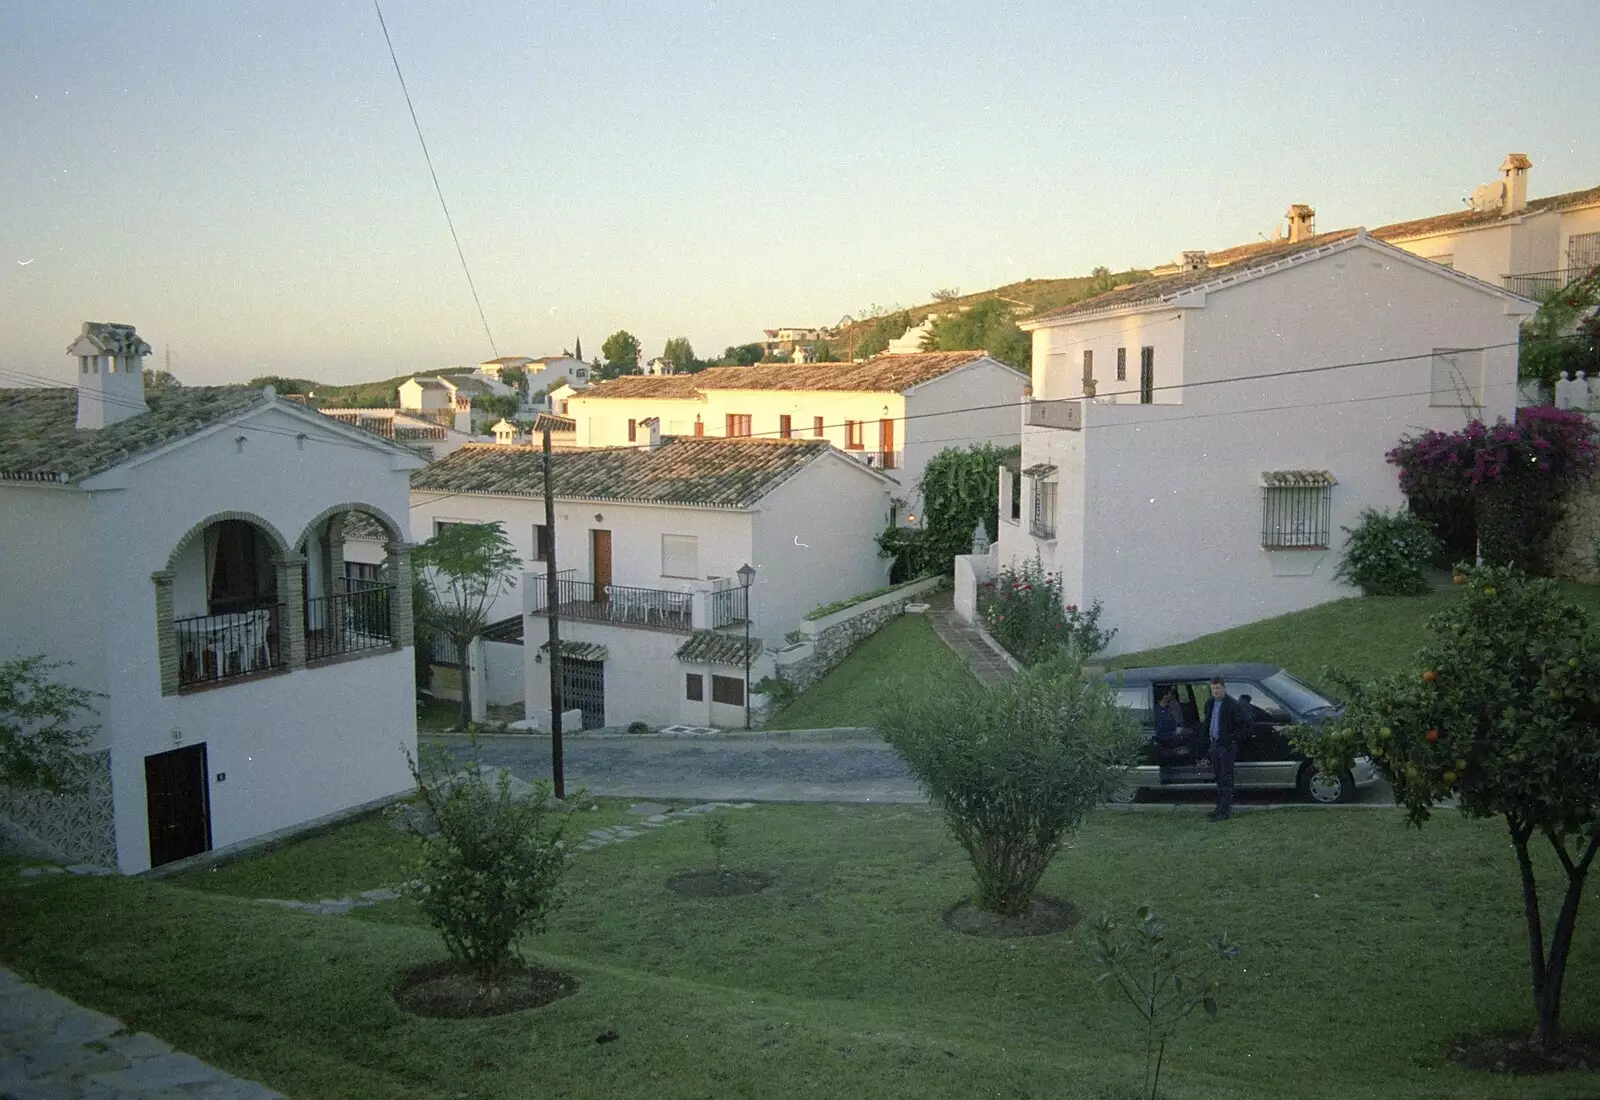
x=1171 y=733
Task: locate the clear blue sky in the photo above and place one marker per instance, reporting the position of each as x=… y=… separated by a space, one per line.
x=241 y=180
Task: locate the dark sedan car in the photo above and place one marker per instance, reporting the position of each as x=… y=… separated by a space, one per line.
x=1266 y=759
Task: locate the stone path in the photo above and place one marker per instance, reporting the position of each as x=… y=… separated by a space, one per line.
x=53 y=1049
x=985 y=660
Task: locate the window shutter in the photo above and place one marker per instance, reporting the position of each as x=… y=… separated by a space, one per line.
x=680 y=556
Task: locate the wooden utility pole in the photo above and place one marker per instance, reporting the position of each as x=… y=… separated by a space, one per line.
x=552 y=601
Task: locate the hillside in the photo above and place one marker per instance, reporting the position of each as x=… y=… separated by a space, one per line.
x=1029 y=296
x=356 y=395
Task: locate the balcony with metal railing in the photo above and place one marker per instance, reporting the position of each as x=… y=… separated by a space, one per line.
x=625 y=605
x=214 y=648
x=1537 y=284
x=348 y=622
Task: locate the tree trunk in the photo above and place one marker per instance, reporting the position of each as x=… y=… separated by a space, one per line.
x=464 y=665
x=1547 y=999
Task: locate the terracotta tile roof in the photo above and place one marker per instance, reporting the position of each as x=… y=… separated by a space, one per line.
x=647 y=385
x=707 y=647
x=1157 y=290
x=881 y=374
x=468 y=383
x=1471 y=219
x=428 y=383
x=579 y=651
x=554 y=423
x=39 y=440
x=711 y=473
x=359 y=525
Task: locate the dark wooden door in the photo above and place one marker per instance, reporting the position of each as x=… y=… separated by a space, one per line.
x=179 y=804
x=886 y=432
x=600 y=563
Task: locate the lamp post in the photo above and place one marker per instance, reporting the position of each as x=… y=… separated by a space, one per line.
x=747 y=574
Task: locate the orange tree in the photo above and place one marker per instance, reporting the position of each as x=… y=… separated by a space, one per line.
x=1502 y=715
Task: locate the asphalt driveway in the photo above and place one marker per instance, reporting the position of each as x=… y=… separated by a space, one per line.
x=761 y=768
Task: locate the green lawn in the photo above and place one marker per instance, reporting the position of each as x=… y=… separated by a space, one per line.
x=1367 y=947
x=1362 y=636
x=904 y=654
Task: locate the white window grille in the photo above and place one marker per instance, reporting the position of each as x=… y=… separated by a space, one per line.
x=1296 y=509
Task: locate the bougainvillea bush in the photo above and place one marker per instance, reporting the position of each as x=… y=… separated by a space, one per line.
x=1513 y=476
x=1025 y=611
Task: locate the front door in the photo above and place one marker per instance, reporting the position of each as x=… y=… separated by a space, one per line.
x=179 y=804
x=886 y=432
x=600 y=563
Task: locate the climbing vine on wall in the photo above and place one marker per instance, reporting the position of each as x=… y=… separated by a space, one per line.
x=960 y=488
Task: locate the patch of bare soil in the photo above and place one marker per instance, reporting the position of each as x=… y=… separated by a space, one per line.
x=718 y=884
x=1514 y=1052
x=1049 y=915
x=443 y=989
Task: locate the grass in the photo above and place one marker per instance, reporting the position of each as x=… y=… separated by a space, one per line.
x=905 y=654
x=1362 y=636
x=1367 y=947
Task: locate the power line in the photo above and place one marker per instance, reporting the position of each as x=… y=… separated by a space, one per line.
x=436 y=188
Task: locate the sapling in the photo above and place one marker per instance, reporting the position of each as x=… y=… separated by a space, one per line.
x=716 y=832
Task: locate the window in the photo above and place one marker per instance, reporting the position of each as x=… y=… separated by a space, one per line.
x=1043 y=524
x=1122 y=364
x=852 y=435
x=1088 y=368
x=363 y=572
x=1135 y=700
x=581 y=372
x=1457 y=378
x=738 y=425
x=785 y=427
x=816 y=426
x=633 y=430
x=680 y=556
x=1583 y=252
x=440 y=524
x=694 y=687
x=1147 y=376
x=727 y=689
x=541 y=542
x=1296 y=510
x=1016 y=496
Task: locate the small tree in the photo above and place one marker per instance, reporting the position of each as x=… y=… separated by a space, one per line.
x=1014 y=769
x=1387 y=554
x=716 y=831
x=39 y=731
x=679 y=354
x=468 y=566
x=1502 y=715
x=489 y=870
x=1157 y=978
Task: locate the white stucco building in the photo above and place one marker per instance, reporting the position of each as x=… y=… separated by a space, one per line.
x=427 y=437
x=1240 y=418
x=893 y=412
x=649 y=541
x=185 y=555
x=447 y=399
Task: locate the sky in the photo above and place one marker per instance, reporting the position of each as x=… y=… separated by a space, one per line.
x=242 y=182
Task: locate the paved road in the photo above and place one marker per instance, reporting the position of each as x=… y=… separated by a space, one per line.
x=762 y=769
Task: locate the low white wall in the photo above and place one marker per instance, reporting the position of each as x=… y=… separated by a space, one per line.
x=814 y=627
x=971 y=571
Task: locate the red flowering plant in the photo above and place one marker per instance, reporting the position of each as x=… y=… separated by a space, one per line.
x=1511 y=476
x=1023 y=608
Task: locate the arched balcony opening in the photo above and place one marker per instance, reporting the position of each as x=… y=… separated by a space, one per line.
x=224 y=603
x=353 y=567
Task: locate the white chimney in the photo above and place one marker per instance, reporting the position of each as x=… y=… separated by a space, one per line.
x=505 y=432
x=1193 y=261
x=1515 y=172
x=1302 y=222
x=110 y=374
x=652 y=433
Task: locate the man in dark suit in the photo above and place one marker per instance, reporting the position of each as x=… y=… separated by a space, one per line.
x=1227 y=723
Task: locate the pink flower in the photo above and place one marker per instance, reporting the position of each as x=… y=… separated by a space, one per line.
x=1072 y=609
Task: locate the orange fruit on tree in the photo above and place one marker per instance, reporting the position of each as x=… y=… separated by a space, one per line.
x=1429 y=676
x=1459 y=578
x=1431 y=736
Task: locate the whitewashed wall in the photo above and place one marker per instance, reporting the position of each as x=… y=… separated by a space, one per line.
x=968 y=407
x=293 y=747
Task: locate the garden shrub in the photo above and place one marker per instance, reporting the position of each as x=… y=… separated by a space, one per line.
x=489 y=872
x=1387 y=554
x=1024 y=611
x=1014 y=768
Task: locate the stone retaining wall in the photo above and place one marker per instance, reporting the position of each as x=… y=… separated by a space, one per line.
x=834 y=637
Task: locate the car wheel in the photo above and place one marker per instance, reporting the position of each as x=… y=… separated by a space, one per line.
x=1324 y=788
x=1124 y=796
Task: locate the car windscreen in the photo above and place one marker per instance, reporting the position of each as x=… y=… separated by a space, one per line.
x=1295 y=695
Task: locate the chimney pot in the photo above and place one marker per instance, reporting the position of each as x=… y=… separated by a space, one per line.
x=1193 y=260
x=1514 y=197
x=110 y=374
x=1302 y=222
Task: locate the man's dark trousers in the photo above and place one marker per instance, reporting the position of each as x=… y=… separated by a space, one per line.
x=1222 y=767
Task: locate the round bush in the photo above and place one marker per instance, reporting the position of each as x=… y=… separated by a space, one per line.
x=1387 y=554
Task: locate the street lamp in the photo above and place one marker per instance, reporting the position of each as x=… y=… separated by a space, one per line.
x=747 y=574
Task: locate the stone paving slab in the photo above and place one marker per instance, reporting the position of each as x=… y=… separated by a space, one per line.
x=53 y=1049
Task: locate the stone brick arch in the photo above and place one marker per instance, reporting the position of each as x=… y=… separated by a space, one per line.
x=279 y=547
x=384 y=520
